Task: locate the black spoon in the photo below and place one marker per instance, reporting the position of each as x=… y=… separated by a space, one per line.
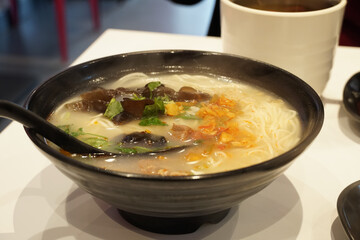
x=71 y=144
x=351 y=97
x=348 y=207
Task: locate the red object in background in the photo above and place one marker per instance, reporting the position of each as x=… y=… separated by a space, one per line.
x=94 y=6
x=61 y=27
x=61 y=23
x=350 y=33
x=13 y=12
x=60 y=20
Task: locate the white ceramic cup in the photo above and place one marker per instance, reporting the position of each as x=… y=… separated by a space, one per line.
x=303 y=43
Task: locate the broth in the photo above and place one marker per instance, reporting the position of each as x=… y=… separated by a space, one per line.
x=230 y=125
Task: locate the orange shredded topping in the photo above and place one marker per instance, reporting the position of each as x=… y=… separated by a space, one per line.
x=218 y=121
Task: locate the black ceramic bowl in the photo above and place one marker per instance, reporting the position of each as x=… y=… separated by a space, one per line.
x=176 y=204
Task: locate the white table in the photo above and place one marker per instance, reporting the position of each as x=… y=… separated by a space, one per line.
x=38 y=202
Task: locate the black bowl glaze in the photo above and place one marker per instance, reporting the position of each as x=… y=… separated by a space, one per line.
x=351 y=97
x=348 y=207
x=176 y=204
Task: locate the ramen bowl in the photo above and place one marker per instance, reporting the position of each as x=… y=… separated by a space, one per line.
x=176 y=204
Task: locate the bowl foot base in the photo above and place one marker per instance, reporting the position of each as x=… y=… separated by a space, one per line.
x=181 y=225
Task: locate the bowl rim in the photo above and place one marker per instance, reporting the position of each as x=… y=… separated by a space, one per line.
x=273 y=163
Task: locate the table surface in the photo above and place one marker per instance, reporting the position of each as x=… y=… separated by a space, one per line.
x=38 y=202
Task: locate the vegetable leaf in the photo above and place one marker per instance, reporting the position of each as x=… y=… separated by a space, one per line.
x=96 y=142
x=157 y=108
x=126 y=150
x=186 y=107
x=79 y=132
x=187 y=116
x=136 y=97
x=114 y=108
x=67 y=129
x=151 y=120
x=133 y=150
x=153 y=85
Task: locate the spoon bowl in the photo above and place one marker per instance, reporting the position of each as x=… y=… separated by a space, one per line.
x=65 y=141
x=351 y=97
x=348 y=206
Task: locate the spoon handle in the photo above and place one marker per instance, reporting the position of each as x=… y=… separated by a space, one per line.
x=31 y=120
x=17 y=113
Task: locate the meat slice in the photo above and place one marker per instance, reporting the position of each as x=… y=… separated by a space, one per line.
x=182 y=132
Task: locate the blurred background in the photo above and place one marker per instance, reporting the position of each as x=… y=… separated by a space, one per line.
x=30 y=47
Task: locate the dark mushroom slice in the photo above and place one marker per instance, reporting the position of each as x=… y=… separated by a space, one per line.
x=88 y=106
x=189 y=94
x=143 y=139
x=135 y=107
x=99 y=94
x=160 y=91
x=122 y=93
x=93 y=101
x=122 y=118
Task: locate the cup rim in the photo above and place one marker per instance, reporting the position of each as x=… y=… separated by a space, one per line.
x=340 y=5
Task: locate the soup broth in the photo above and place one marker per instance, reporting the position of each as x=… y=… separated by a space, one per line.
x=227 y=124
